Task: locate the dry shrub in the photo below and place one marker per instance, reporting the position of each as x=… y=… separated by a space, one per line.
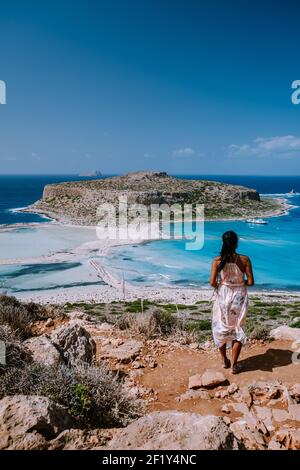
x=20 y=316
x=15 y=355
x=148 y=324
x=93 y=395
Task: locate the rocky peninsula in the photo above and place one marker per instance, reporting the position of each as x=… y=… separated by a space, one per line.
x=77 y=202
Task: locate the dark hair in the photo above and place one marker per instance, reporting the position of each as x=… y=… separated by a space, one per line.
x=230 y=241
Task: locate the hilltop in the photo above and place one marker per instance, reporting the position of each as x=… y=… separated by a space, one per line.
x=76 y=202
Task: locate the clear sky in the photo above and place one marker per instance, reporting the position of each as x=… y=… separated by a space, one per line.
x=121 y=85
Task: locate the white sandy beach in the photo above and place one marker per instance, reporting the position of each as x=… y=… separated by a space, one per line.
x=60 y=242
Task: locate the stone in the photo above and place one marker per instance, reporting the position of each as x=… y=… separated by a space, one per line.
x=285 y=332
x=262 y=390
x=194 y=346
x=43 y=351
x=81 y=439
x=280 y=415
x=245 y=396
x=226 y=409
x=251 y=438
x=195 y=381
x=137 y=365
x=274 y=445
x=295 y=392
x=194 y=395
x=49 y=323
x=294 y=412
x=240 y=408
x=22 y=414
x=125 y=353
x=29 y=441
x=288 y=438
x=75 y=343
x=232 y=388
x=170 y=430
x=211 y=378
x=264 y=414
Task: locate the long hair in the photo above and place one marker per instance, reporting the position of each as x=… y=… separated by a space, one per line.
x=230 y=241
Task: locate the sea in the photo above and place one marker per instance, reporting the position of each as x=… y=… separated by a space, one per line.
x=274 y=248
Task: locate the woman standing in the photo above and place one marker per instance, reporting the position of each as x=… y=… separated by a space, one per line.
x=231 y=273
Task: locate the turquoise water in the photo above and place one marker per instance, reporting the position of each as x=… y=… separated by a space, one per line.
x=273 y=248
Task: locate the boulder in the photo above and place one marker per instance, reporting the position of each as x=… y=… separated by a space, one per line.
x=286 y=333
x=209 y=379
x=125 y=353
x=21 y=414
x=43 y=351
x=75 y=343
x=81 y=439
x=288 y=439
x=175 y=430
x=262 y=390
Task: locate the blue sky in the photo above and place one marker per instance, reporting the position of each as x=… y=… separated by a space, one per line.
x=185 y=86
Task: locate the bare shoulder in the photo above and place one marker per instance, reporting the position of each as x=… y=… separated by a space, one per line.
x=217 y=259
x=245 y=259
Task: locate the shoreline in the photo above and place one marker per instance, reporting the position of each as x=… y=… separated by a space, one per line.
x=113 y=290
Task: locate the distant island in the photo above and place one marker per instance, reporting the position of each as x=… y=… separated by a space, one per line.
x=76 y=202
x=94 y=174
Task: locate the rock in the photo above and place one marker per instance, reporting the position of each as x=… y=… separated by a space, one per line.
x=195 y=381
x=264 y=414
x=49 y=322
x=126 y=352
x=29 y=441
x=221 y=394
x=139 y=391
x=194 y=346
x=75 y=343
x=262 y=390
x=212 y=378
x=245 y=397
x=240 y=408
x=81 y=439
x=137 y=365
x=194 y=395
x=295 y=392
x=226 y=409
x=251 y=438
x=274 y=445
x=280 y=415
x=43 y=351
x=175 y=430
x=232 y=388
x=288 y=439
x=209 y=379
x=286 y=333
x=135 y=374
x=21 y=414
x=294 y=412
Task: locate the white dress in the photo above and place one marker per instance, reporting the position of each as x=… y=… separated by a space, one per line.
x=230 y=307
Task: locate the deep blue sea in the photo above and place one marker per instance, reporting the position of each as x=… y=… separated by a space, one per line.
x=273 y=248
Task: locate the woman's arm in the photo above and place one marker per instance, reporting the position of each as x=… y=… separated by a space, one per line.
x=249 y=273
x=214 y=273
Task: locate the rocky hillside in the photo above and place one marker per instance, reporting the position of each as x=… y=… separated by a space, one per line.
x=77 y=202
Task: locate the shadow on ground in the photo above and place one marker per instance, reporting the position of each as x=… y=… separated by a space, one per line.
x=267 y=361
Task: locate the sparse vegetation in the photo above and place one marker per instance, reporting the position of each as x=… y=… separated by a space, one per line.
x=94 y=396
